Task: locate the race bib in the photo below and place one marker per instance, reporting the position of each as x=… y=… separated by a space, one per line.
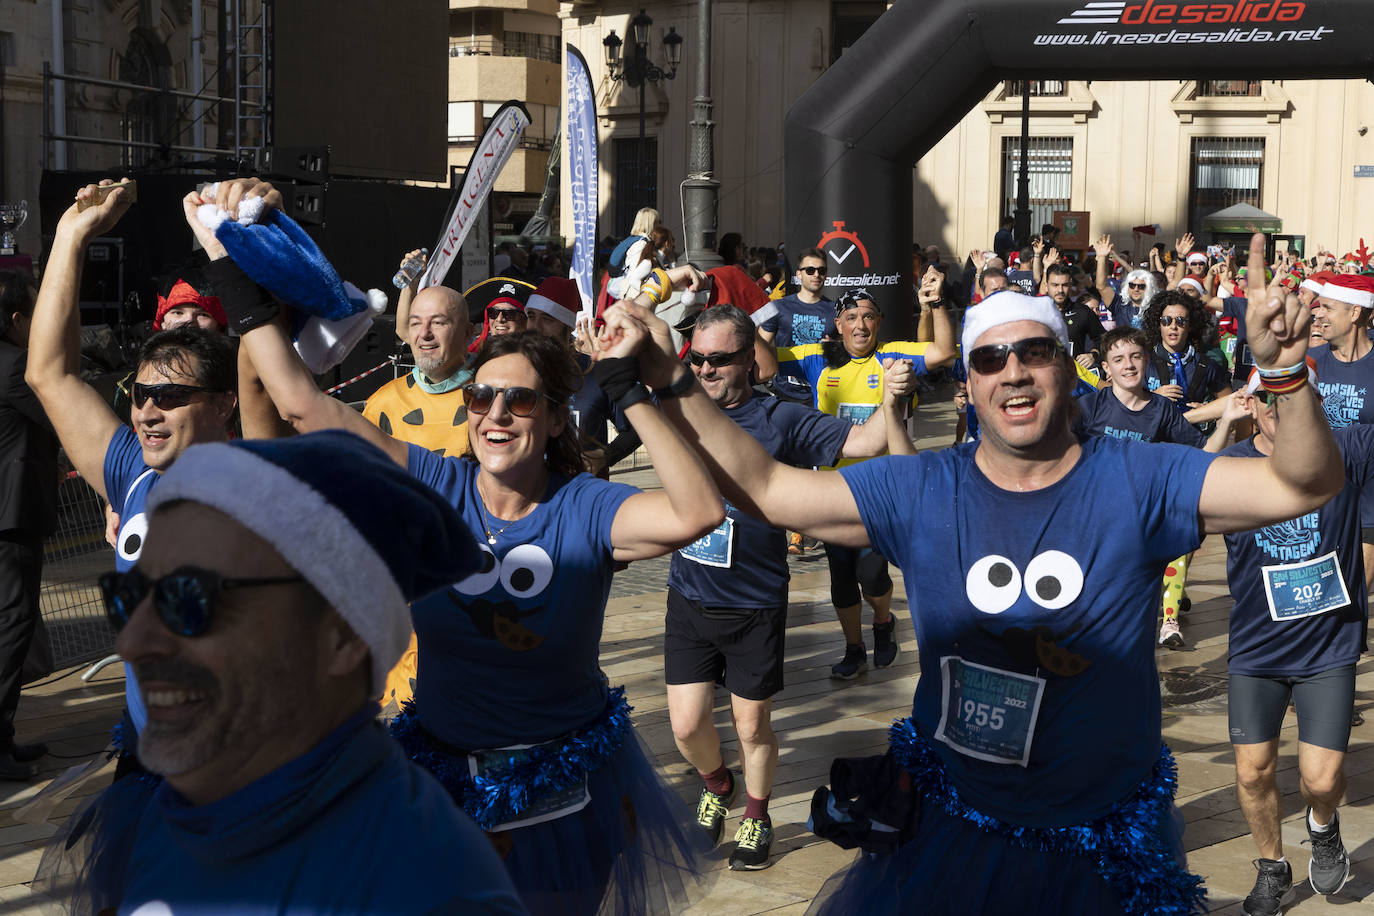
x=550 y=807
x=1303 y=589
x=855 y=413
x=714 y=549
x=988 y=713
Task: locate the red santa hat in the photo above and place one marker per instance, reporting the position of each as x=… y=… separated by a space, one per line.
x=1317 y=280
x=183 y=294
x=1354 y=289
x=557 y=296
x=1197 y=256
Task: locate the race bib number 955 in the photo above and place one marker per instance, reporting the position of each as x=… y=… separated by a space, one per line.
x=988 y=713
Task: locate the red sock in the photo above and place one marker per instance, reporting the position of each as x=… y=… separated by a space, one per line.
x=719 y=782
x=756 y=807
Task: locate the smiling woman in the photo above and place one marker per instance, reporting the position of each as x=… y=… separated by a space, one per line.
x=511 y=710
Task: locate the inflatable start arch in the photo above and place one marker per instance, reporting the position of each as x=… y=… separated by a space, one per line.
x=853 y=138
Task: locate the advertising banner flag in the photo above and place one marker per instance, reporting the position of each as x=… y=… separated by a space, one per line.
x=492 y=152
x=581 y=138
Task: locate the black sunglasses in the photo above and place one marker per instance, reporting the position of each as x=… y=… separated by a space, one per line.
x=716 y=360
x=184 y=599
x=519 y=401
x=495 y=313
x=812 y=270
x=1136 y=285
x=1171 y=320
x=168 y=397
x=1033 y=352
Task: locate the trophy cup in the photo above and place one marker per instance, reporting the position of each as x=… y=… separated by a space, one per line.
x=12 y=216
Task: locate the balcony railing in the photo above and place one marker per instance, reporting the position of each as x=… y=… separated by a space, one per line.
x=1015 y=88
x=495 y=47
x=1228 y=88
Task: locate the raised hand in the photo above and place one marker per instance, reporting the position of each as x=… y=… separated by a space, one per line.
x=1184 y=245
x=1051 y=256
x=929 y=292
x=97 y=218
x=899 y=378
x=658 y=361
x=1276 y=324
x=1103 y=246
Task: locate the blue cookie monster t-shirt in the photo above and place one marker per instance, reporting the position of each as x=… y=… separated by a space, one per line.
x=1308 y=629
x=1036 y=634
x=1158 y=421
x=510 y=655
x=743 y=563
x=128 y=481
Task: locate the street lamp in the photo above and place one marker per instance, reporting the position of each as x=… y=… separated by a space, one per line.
x=636 y=70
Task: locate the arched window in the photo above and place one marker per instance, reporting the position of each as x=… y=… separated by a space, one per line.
x=151 y=115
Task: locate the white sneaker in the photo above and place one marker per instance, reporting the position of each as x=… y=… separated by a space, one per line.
x=1170 y=635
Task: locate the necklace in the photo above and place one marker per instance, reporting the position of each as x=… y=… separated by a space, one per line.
x=483 y=513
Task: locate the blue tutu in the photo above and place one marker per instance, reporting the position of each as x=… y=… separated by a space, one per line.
x=1131 y=861
x=629 y=851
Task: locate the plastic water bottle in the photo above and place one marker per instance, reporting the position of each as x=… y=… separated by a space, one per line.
x=410 y=269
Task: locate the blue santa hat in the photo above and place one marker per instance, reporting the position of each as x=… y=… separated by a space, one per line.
x=368 y=536
x=332 y=314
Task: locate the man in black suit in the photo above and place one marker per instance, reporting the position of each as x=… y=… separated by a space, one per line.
x=28 y=512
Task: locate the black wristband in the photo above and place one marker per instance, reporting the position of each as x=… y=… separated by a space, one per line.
x=616 y=375
x=246 y=304
x=636 y=394
x=680 y=386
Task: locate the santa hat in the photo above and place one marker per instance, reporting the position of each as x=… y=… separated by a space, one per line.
x=183 y=294
x=1194 y=283
x=1253 y=383
x=1004 y=307
x=1317 y=280
x=1353 y=289
x=369 y=537
x=557 y=296
x=1194 y=256
x=280 y=257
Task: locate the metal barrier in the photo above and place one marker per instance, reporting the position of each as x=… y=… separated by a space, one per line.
x=70 y=601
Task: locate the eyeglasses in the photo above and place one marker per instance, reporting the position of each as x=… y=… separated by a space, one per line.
x=716 y=360
x=1136 y=285
x=1033 y=352
x=1265 y=397
x=184 y=599
x=500 y=314
x=168 y=397
x=812 y=270
x=519 y=401
x=1166 y=321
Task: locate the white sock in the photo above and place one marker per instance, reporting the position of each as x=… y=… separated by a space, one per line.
x=1314 y=826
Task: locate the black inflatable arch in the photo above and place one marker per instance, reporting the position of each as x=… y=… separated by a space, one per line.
x=853 y=138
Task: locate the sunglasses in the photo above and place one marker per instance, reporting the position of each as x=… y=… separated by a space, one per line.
x=716 y=360
x=184 y=599
x=1265 y=397
x=519 y=401
x=1136 y=285
x=499 y=314
x=168 y=397
x=1033 y=352
x=1166 y=321
x=812 y=270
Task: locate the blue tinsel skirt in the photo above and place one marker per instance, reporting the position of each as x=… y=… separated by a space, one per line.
x=963 y=862
x=629 y=851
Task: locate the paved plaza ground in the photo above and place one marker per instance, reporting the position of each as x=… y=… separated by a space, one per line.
x=818 y=719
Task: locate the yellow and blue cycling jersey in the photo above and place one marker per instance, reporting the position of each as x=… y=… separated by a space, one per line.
x=854 y=390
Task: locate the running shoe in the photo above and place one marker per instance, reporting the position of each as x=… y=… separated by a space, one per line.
x=1330 y=866
x=1273 y=889
x=884 y=645
x=753 y=843
x=712 y=809
x=795 y=547
x=1169 y=634
x=855 y=660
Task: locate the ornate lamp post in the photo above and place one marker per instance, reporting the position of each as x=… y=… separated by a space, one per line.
x=636 y=70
